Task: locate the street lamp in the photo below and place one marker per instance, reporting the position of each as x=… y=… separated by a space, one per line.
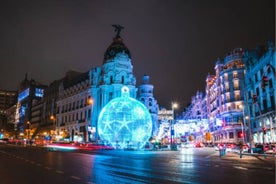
x=243 y=123
x=174 y=105
x=90 y=102
x=54 y=126
x=28 y=130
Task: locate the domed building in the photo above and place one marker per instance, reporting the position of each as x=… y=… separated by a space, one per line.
x=108 y=80
x=80 y=103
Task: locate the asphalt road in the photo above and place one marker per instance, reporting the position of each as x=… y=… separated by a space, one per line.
x=32 y=165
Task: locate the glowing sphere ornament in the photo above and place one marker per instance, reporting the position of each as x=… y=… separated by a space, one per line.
x=125 y=122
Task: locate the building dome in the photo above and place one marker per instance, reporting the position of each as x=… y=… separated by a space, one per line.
x=125 y=122
x=117 y=46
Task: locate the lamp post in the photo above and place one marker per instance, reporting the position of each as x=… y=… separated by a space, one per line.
x=89 y=127
x=243 y=123
x=174 y=105
x=54 y=126
x=28 y=130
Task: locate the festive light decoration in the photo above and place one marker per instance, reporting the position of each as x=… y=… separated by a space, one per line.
x=125 y=122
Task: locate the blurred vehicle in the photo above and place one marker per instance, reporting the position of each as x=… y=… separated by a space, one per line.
x=270 y=149
x=245 y=148
x=198 y=145
x=258 y=149
x=93 y=146
x=237 y=148
x=219 y=147
x=4 y=140
x=61 y=146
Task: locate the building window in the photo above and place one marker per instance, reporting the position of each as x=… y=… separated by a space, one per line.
x=261 y=71
x=270 y=83
x=236 y=85
x=89 y=113
x=237 y=96
x=235 y=74
x=272 y=102
x=231 y=135
x=257 y=91
x=226 y=77
x=265 y=105
x=81 y=103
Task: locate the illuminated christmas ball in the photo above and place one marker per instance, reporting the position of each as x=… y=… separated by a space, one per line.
x=125 y=122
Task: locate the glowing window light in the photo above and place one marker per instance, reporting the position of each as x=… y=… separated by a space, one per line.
x=24 y=94
x=39 y=92
x=125 y=122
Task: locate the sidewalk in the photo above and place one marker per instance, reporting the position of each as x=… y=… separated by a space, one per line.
x=248 y=156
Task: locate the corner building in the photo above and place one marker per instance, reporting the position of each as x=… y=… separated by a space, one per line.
x=224 y=98
x=93 y=91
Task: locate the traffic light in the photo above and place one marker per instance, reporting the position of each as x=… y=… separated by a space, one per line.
x=254 y=98
x=264 y=130
x=240 y=134
x=264 y=81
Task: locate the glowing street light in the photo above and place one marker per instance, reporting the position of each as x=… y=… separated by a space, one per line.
x=90 y=101
x=28 y=129
x=174 y=106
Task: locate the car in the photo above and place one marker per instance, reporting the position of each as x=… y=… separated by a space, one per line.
x=4 y=140
x=270 y=149
x=258 y=149
x=198 y=145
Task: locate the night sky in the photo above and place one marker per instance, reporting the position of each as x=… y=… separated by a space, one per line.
x=175 y=42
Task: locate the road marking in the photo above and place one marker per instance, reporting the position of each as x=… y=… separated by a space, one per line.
x=48 y=168
x=32 y=162
x=241 y=168
x=59 y=172
x=75 y=177
x=38 y=164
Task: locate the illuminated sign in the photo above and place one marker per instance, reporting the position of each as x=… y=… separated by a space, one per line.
x=24 y=94
x=39 y=92
x=22 y=111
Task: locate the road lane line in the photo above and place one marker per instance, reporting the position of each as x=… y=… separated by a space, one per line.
x=59 y=172
x=48 y=168
x=241 y=168
x=32 y=162
x=75 y=177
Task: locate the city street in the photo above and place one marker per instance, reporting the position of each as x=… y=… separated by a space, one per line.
x=26 y=165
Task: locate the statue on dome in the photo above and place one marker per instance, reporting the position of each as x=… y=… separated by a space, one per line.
x=118 y=29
